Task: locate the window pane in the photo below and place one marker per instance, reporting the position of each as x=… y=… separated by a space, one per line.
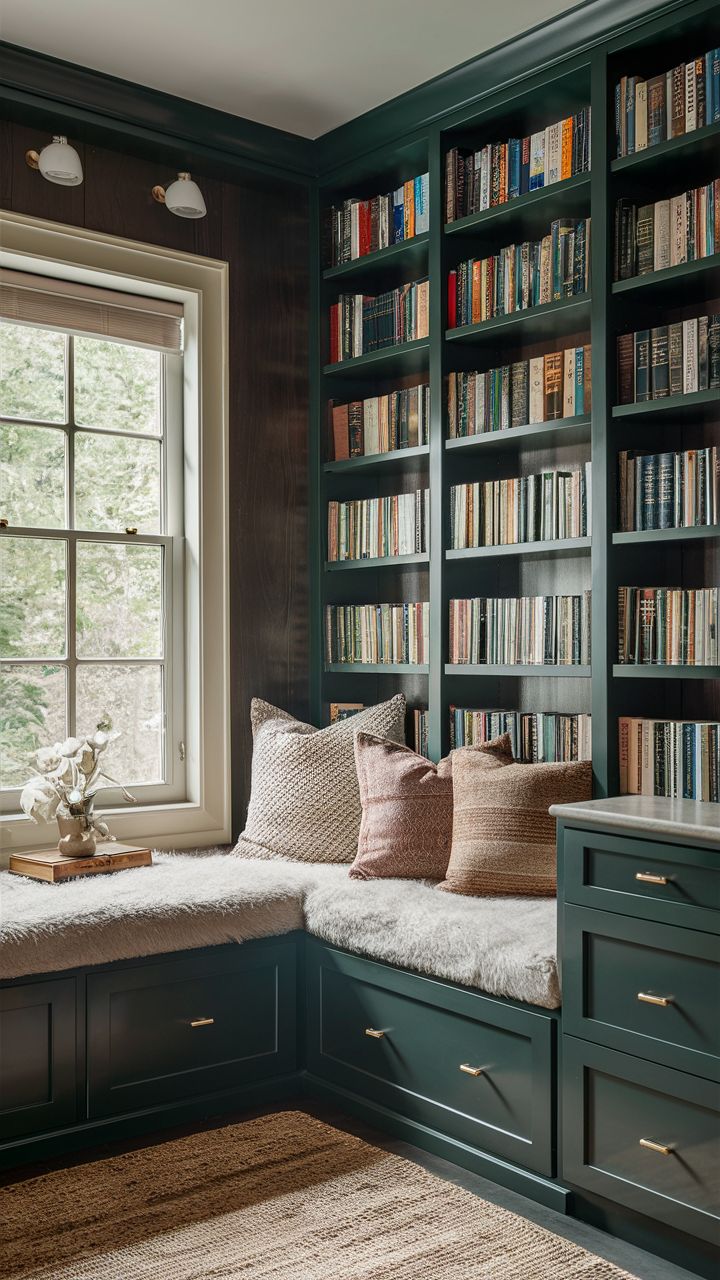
x=117 y=483
x=117 y=386
x=32 y=373
x=119 y=601
x=32 y=597
x=133 y=697
x=32 y=476
x=32 y=715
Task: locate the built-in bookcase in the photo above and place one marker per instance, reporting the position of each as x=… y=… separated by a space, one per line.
x=606 y=558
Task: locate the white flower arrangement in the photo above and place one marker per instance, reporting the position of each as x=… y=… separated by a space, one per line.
x=69 y=777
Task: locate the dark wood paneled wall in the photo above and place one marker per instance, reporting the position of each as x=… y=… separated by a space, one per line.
x=261 y=229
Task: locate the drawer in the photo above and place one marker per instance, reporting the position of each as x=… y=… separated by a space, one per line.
x=646 y=988
x=648 y=879
x=648 y=1138
x=465 y=1064
x=194 y=1025
x=38 y=1079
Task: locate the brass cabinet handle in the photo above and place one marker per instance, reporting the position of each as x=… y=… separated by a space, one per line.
x=647 y=998
x=202 y=1022
x=661 y=1149
x=649 y=877
x=375 y=1035
x=470 y=1071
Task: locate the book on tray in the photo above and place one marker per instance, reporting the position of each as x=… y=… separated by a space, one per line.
x=669 y=360
x=652 y=237
x=536 y=736
x=668 y=626
x=675 y=758
x=360 y=324
x=366 y=528
x=535 y=508
x=543 y=389
x=377 y=633
x=667 y=105
x=361 y=226
x=525 y=631
x=669 y=490
x=381 y=424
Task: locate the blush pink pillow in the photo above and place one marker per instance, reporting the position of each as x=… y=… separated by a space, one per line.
x=407 y=812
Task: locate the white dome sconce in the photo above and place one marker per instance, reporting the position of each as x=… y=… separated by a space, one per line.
x=58 y=162
x=183 y=197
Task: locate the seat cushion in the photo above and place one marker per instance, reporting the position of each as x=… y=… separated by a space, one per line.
x=504 y=946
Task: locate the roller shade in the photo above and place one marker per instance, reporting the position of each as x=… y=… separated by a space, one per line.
x=100 y=313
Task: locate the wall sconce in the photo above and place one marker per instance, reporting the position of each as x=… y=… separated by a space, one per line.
x=183 y=197
x=58 y=162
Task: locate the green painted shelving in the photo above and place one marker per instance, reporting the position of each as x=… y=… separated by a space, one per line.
x=553 y=547
x=639 y=537
x=690 y=405
x=569 y=196
x=413 y=251
x=568 y=671
x=670 y=280
x=660 y=671
x=550 y=320
x=393 y=461
x=377 y=562
x=539 y=435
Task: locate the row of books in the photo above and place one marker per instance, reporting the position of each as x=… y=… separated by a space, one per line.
x=669 y=360
x=652 y=237
x=364 y=528
x=675 y=758
x=536 y=508
x=529 y=630
x=668 y=105
x=543 y=389
x=537 y=736
x=399 y=420
x=344 y=710
x=523 y=275
x=358 y=227
x=360 y=324
x=377 y=633
x=669 y=490
x=668 y=626
x=502 y=171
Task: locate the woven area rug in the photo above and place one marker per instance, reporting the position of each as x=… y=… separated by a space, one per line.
x=283 y=1197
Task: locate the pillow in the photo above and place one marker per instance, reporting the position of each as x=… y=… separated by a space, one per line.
x=304 y=797
x=407 y=806
x=503 y=839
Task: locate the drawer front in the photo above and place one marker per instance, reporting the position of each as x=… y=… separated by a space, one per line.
x=180 y=1028
x=643 y=987
x=648 y=1139
x=38 y=1054
x=464 y=1064
x=644 y=878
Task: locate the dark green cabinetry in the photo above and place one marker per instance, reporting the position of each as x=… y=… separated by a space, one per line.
x=38 y=1073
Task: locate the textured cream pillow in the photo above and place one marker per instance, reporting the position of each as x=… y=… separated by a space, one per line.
x=305 y=799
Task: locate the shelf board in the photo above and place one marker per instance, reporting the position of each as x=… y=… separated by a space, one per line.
x=407 y=251
x=377 y=562
x=668 y=280
x=377 y=668
x=515 y=211
x=548 y=320
x=552 y=548
x=660 y=671
x=404 y=357
x=705 y=139
x=692 y=534
x=394 y=460
x=539 y=669
x=538 y=435
x=686 y=404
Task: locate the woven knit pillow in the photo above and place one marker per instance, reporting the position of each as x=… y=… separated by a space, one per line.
x=503 y=840
x=304 y=799
x=407 y=803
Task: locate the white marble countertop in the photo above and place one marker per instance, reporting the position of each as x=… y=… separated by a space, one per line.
x=696 y=821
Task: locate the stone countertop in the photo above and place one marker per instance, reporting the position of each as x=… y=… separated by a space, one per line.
x=695 y=821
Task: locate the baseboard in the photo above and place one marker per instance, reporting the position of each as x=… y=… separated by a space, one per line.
x=542 y=1190
x=647 y=1233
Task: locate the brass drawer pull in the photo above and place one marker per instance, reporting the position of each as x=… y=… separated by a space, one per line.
x=374 y=1035
x=648 y=877
x=649 y=1145
x=647 y=998
x=470 y=1071
x=202 y=1022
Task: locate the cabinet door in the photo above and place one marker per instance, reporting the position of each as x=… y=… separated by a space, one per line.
x=38 y=1084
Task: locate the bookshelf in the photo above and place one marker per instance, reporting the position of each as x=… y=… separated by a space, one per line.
x=687 y=557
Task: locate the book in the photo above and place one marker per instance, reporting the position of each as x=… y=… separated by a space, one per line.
x=358 y=227
x=344 y=710
x=513 y=395
x=668 y=626
x=536 y=737
x=668 y=104
x=675 y=359
x=53 y=866
x=679 y=759
x=377 y=634
x=652 y=237
x=371 y=528
x=361 y=324
x=681 y=488
x=542 y=507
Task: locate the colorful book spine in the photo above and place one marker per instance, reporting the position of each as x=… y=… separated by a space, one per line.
x=381 y=424
x=653 y=237
x=525 y=631
x=679 y=759
x=377 y=634
x=521 y=394
x=668 y=626
x=667 y=105
x=361 y=226
x=361 y=324
x=541 y=737
x=545 y=507
x=369 y=528
x=675 y=359
x=669 y=490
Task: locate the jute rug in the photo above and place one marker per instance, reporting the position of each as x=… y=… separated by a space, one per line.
x=284 y=1197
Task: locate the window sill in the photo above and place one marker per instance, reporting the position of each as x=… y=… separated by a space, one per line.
x=170 y=826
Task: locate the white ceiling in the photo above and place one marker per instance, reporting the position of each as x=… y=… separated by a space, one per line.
x=301 y=65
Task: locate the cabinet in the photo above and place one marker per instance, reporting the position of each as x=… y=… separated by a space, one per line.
x=38 y=1084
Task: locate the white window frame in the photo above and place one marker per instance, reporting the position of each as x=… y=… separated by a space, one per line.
x=203 y=815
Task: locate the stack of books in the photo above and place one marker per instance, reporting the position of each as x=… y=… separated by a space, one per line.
x=652 y=237
x=669 y=490
x=543 y=389
x=537 y=736
x=380 y=424
x=677 y=101
x=420 y=731
x=668 y=626
x=377 y=633
x=358 y=227
x=535 y=508
x=527 y=631
x=669 y=360
x=360 y=324
x=366 y=528
x=675 y=758
x=502 y=171
x=521 y=276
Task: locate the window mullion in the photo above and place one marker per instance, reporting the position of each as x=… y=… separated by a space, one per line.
x=72 y=547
